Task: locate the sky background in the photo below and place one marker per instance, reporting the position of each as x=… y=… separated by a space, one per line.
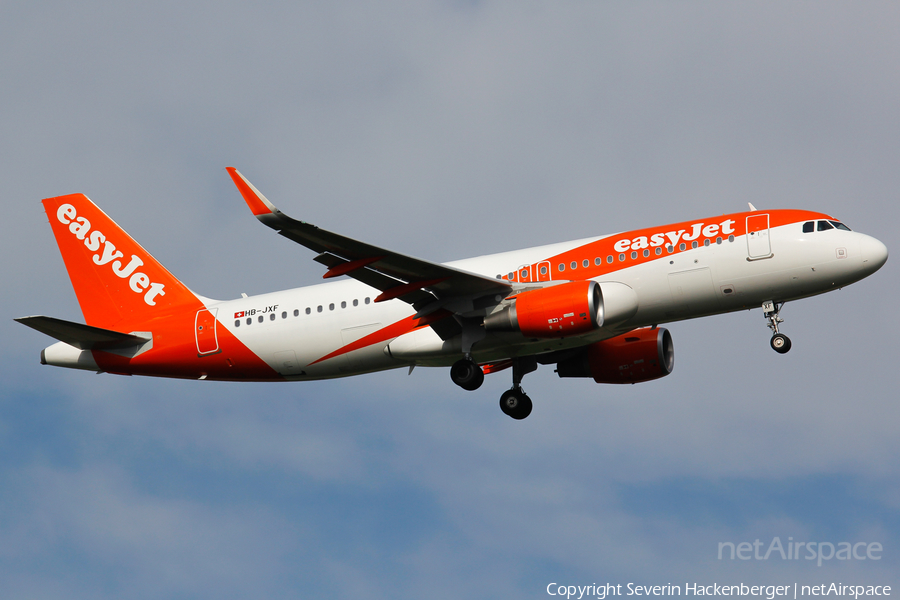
x=445 y=130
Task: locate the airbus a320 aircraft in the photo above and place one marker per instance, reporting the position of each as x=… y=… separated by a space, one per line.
x=592 y=307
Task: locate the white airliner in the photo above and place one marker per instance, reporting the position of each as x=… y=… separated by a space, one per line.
x=592 y=307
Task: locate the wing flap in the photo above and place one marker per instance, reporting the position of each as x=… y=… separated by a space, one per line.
x=371 y=277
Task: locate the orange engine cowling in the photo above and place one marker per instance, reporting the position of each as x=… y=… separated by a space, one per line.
x=552 y=312
x=639 y=355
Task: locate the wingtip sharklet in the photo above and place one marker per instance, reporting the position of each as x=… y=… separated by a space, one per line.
x=259 y=204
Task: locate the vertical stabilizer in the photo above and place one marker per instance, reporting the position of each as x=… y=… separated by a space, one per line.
x=118 y=284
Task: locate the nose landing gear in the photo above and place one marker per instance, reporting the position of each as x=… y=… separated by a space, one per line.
x=780 y=343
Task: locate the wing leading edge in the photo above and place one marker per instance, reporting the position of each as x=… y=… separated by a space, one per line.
x=426 y=285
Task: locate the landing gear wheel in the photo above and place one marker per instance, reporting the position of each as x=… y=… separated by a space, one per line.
x=516 y=404
x=466 y=374
x=780 y=343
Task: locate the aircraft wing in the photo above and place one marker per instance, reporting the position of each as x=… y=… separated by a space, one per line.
x=413 y=280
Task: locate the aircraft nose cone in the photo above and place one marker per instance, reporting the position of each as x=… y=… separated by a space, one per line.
x=874 y=253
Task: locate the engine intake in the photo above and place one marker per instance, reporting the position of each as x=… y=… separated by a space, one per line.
x=640 y=355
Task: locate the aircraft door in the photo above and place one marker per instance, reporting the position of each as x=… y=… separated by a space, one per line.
x=356 y=359
x=524 y=274
x=693 y=292
x=758 y=243
x=286 y=363
x=205 y=331
x=543 y=271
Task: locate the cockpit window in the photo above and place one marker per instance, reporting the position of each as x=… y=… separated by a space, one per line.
x=809 y=227
x=825 y=225
x=839 y=225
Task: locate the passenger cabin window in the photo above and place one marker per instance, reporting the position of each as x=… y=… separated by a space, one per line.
x=825 y=225
x=809 y=227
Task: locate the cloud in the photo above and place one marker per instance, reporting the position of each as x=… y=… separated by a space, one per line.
x=139 y=544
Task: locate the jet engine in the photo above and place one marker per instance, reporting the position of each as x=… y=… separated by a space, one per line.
x=640 y=355
x=564 y=310
x=552 y=312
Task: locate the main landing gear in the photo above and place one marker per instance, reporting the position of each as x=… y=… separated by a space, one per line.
x=467 y=374
x=513 y=402
x=780 y=343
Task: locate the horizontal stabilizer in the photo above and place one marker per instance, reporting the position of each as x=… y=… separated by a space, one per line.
x=83 y=337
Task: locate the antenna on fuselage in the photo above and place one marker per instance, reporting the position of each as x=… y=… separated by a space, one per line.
x=753 y=208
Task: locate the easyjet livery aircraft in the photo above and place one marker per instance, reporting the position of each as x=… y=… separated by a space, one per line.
x=592 y=307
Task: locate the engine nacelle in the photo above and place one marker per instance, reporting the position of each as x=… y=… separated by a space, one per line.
x=639 y=355
x=552 y=312
x=567 y=309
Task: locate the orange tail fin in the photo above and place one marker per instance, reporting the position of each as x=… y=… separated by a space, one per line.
x=118 y=284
